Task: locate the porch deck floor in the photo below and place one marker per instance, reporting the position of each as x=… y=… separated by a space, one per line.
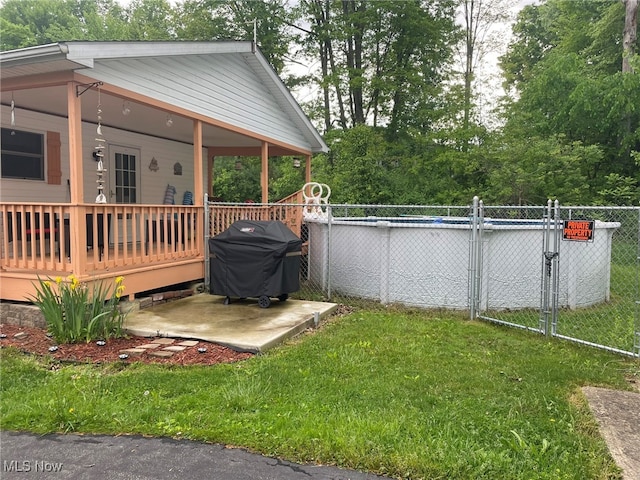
x=241 y=325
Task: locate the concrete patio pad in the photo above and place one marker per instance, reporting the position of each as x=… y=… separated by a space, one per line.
x=241 y=325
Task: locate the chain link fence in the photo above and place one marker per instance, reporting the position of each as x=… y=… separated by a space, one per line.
x=507 y=264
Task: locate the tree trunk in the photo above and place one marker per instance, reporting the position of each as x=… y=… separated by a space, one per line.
x=629 y=34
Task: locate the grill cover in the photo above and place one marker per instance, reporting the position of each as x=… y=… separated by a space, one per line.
x=255 y=258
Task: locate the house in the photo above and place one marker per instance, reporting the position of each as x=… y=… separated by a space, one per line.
x=108 y=151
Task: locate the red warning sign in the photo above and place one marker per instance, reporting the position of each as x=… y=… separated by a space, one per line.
x=578 y=230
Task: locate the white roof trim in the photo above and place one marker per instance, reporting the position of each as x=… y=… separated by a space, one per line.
x=39 y=54
x=105 y=50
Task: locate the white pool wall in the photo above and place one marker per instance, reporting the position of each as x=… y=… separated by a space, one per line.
x=427 y=265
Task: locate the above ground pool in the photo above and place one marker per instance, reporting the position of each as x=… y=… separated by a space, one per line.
x=425 y=262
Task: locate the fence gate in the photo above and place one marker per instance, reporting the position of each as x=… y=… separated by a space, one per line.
x=570 y=272
x=510 y=281
x=599 y=275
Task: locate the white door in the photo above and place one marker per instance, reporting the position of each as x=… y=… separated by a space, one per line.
x=124 y=183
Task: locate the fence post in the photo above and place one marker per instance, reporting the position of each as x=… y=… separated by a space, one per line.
x=207 y=279
x=329 y=221
x=473 y=257
x=557 y=231
x=548 y=257
x=636 y=335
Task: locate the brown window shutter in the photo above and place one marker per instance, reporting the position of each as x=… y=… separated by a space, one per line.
x=54 y=168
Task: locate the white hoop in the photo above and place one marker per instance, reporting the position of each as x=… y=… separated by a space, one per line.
x=315 y=199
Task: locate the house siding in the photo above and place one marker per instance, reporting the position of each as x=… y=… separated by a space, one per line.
x=152 y=184
x=16 y=190
x=224 y=88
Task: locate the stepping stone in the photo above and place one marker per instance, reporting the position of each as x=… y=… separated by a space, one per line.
x=174 y=348
x=134 y=352
x=161 y=353
x=189 y=343
x=164 y=341
x=149 y=345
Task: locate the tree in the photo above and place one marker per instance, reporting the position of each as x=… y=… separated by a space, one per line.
x=630 y=34
x=150 y=20
x=28 y=23
x=573 y=89
x=481 y=17
x=234 y=20
x=382 y=63
x=37 y=22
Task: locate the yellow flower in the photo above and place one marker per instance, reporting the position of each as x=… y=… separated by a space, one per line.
x=119 y=291
x=58 y=280
x=71 y=410
x=74 y=282
x=119 y=280
x=47 y=283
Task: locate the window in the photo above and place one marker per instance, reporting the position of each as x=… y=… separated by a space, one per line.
x=126 y=176
x=22 y=154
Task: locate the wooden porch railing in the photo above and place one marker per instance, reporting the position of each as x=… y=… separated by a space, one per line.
x=40 y=237
x=288 y=211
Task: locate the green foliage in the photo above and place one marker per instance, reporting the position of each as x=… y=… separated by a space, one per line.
x=565 y=65
x=619 y=190
x=226 y=19
x=150 y=20
x=74 y=313
x=529 y=171
x=26 y=23
x=383 y=63
x=237 y=179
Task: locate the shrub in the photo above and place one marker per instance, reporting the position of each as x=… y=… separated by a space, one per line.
x=74 y=312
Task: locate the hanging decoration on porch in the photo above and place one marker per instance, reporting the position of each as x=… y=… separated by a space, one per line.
x=99 y=154
x=13 y=111
x=153 y=165
x=177 y=168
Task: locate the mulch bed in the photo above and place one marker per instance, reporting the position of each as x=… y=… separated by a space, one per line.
x=35 y=341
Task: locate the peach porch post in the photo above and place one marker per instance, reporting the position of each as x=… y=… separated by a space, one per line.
x=77 y=232
x=265 y=172
x=198 y=172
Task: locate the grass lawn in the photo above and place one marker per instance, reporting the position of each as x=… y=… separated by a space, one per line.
x=402 y=393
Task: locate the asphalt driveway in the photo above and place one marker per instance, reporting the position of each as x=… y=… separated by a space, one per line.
x=103 y=457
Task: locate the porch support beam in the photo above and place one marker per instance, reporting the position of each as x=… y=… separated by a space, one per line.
x=77 y=231
x=36 y=81
x=307 y=168
x=198 y=167
x=198 y=179
x=265 y=172
x=274 y=151
x=210 y=165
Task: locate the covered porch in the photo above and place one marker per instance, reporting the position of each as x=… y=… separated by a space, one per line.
x=156 y=115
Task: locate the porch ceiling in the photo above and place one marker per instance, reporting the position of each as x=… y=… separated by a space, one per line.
x=141 y=119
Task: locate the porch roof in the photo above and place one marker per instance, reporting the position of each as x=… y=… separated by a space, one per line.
x=228 y=84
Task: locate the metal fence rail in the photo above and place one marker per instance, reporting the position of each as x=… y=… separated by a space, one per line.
x=506 y=264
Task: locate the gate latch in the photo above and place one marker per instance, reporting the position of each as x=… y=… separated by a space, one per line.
x=548 y=259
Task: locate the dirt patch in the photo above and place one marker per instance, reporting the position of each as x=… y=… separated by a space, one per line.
x=617 y=413
x=35 y=341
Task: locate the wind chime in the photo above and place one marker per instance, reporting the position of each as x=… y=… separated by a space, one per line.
x=99 y=154
x=13 y=113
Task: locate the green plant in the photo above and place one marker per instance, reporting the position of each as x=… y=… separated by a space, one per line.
x=74 y=312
